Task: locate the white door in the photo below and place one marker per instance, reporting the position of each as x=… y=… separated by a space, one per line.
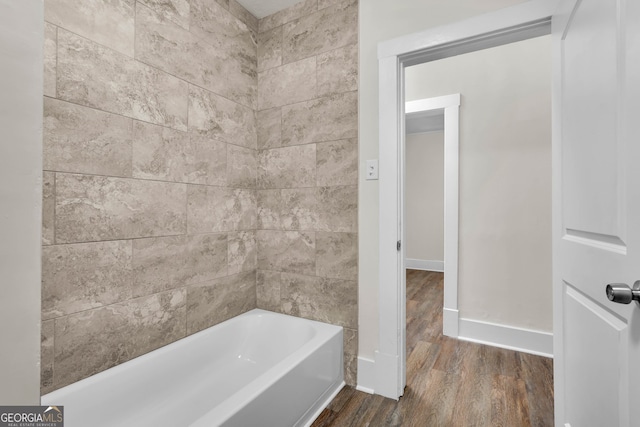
x=596 y=211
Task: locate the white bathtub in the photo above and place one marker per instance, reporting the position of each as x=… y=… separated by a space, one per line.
x=257 y=369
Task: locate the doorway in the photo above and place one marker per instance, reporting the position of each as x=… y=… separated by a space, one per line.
x=395 y=56
x=424 y=191
x=438 y=113
x=424 y=220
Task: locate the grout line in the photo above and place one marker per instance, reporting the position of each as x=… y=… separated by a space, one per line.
x=163 y=236
x=57 y=56
x=306 y=275
x=134 y=141
x=53 y=359
x=55 y=202
x=186 y=208
x=332 y=95
x=149 y=180
x=135 y=26
x=159 y=292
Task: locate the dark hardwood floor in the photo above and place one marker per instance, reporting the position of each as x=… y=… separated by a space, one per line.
x=451 y=382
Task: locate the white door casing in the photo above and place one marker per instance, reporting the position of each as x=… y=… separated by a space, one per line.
x=451 y=106
x=596 y=210
x=529 y=19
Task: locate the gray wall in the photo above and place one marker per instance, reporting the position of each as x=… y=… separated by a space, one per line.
x=424 y=196
x=20 y=197
x=149 y=185
x=504 y=258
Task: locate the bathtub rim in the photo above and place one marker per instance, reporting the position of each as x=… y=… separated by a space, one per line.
x=324 y=332
x=158 y=352
x=244 y=396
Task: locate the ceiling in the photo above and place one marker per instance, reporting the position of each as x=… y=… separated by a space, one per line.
x=262 y=8
x=424 y=121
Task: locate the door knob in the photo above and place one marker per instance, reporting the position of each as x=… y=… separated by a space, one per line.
x=623 y=294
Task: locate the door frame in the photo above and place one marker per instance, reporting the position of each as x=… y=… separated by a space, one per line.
x=521 y=22
x=450 y=104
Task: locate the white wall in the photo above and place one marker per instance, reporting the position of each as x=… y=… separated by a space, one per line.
x=504 y=273
x=424 y=196
x=21 y=41
x=382 y=20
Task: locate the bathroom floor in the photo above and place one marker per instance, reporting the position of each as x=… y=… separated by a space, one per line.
x=451 y=382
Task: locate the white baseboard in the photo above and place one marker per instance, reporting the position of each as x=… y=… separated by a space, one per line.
x=450 y=322
x=493 y=334
x=387 y=368
x=366 y=375
x=421 y=264
x=509 y=337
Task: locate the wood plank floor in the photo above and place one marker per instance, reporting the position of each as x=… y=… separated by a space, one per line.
x=451 y=382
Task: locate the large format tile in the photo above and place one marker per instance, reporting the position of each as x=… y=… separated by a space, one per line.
x=242 y=165
x=92 y=75
x=176 y=11
x=46 y=356
x=337 y=208
x=287 y=84
x=287 y=209
x=168 y=46
x=269 y=124
x=82 y=276
x=239 y=68
x=233 y=49
x=287 y=167
x=338 y=70
x=289 y=251
x=167 y=154
x=94 y=340
x=108 y=22
x=211 y=303
x=350 y=346
x=326 y=300
x=90 y=208
x=211 y=21
x=210 y=156
x=337 y=162
x=48 y=207
x=228 y=68
x=327 y=3
x=243 y=15
x=50 y=54
x=84 y=140
x=219 y=118
x=298 y=10
x=164 y=263
x=325 y=30
x=268 y=290
x=337 y=255
x=324 y=119
x=242 y=255
x=215 y=209
x=270 y=49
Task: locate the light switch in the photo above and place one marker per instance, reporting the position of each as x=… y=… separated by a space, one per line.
x=372 y=169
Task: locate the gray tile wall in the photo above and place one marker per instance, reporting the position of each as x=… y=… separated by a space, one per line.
x=198 y=163
x=150 y=158
x=307 y=165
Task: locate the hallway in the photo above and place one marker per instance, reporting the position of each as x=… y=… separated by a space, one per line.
x=451 y=382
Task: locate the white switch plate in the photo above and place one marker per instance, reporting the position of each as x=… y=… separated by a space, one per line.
x=372 y=169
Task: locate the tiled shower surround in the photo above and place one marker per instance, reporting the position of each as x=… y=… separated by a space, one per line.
x=198 y=163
